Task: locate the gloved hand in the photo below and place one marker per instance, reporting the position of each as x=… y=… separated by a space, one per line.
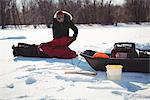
x=74 y=37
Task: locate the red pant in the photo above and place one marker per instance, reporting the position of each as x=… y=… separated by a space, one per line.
x=58 y=48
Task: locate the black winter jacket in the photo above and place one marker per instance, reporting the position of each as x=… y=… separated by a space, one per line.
x=62 y=29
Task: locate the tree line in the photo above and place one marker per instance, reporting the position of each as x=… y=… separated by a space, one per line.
x=36 y=12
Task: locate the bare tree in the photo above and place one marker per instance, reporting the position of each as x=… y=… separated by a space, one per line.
x=137 y=10
x=15 y=13
x=46 y=9
x=147 y=10
x=24 y=8
x=34 y=14
x=3 y=8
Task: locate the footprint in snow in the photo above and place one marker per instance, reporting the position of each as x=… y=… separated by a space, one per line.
x=30 y=80
x=23 y=96
x=10 y=85
x=131 y=95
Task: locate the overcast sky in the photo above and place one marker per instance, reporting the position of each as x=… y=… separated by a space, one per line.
x=118 y=1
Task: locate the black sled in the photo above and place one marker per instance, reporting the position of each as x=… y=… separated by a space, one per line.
x=131 y=60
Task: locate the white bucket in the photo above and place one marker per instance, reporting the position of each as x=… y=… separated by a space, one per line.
x=114 y=72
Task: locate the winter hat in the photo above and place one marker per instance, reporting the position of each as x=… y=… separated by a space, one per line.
x=60 y=13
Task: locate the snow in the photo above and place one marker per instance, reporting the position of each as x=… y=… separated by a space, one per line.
x=26 y=78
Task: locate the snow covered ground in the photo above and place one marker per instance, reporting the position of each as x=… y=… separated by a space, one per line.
x=45 y=79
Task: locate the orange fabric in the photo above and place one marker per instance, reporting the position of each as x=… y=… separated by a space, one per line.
x=100 y=55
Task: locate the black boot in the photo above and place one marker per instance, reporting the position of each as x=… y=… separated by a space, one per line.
x=25 y=50
x=16 y=51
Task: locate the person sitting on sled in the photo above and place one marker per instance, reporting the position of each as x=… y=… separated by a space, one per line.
x=59 y=46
